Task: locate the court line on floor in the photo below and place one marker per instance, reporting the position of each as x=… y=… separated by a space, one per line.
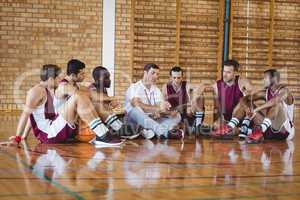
x=178 y=177
x=45 y=178
x=180 y=187
x=168 y=163
x=250 y=197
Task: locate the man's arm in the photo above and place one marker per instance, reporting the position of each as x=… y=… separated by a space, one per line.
x=33 y=100
x=136 y=102
x=217 y=109
x=164 y=92
x=255 y=96
x=282 y=95
x=245 y=86
x=101 y=97
x=26 y=130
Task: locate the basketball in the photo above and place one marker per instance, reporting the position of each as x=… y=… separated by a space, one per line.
x=85 y=134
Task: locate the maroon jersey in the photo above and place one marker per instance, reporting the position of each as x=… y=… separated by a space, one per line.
x=271 y=94
x=229 y=97
x=177 y=98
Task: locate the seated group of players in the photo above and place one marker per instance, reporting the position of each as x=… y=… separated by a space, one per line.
x=56 y=106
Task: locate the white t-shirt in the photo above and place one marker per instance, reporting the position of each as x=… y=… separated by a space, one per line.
x=152 y=96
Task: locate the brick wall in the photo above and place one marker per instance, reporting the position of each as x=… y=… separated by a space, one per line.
x=123 y=74
x=253 y=45
x=34 y=32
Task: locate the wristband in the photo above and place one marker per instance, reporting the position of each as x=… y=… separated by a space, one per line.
x=18 y=139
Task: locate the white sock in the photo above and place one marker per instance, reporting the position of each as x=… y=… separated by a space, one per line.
x=233 y=122
x=113 y=122
x=199 y=118
x=245 y=125
x=98 y=127
x=265 y=124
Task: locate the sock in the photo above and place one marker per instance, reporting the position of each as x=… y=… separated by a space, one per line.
x=245 y=125
x=199 y=118
x=113 y=122
x=265 y=124
x=233 y=122
x=98 y=127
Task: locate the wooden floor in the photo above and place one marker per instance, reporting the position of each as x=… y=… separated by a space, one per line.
x=195 y=169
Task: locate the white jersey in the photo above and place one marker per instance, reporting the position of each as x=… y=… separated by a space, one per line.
x=45 y=120
x=288 y=111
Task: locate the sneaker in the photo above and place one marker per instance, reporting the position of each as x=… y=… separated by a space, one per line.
x=243 y=132
x=176 y=134
x=148 y=134
x=223 y=132
x=203 y=130
x=125 y=130
x=130 y=137
x=256 y=136
x=242 y=135
x=107 y=140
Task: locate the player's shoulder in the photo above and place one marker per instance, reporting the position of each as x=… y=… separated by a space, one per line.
x=283 y=88
x=156 y=89
x=134 y=87
x=214 y=84
x=243 y=80
x=37 y=90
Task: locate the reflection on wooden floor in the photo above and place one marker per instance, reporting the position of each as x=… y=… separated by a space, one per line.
x=193 y=169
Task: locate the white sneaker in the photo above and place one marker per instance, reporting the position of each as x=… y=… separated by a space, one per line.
x=148 y=134
x=130 y=137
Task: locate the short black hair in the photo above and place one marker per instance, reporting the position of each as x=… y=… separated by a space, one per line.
x=176 y=69
x=74 y=66
x=273 y=73
x=233 y=63
x=148 y=66
x=49 y=70
x=97 y=72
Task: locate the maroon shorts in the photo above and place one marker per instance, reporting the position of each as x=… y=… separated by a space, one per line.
x=270 y=134
x=59 y=127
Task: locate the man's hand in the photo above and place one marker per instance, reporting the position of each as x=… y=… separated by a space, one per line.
x=114 y=104
x=173 y=113
x=251 y=113
x=165 y=106
x=156 y=115
x=12 y=141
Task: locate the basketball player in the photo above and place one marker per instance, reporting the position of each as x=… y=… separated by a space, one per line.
x=70 y=83
x=185 y=98
x=104 y=104
x=228 y=92
x=101 y=83
x=273 y=119
x=145 y=107
x=50 y=126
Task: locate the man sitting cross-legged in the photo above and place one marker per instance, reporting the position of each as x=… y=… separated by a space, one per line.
x=186 y=98
x=145 y=107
